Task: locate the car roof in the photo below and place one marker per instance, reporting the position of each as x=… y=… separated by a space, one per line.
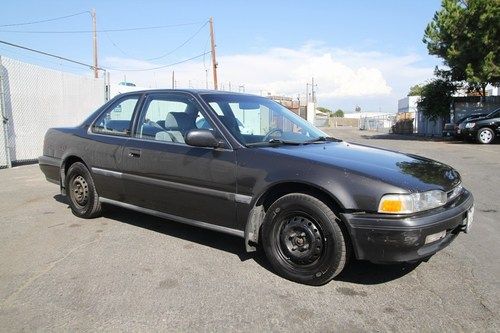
x=192 y=91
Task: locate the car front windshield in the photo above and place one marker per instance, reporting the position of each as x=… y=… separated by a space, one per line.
x=257 y=121
x=494 y=114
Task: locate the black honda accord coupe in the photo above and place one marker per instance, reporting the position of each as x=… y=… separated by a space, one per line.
x=247 y=166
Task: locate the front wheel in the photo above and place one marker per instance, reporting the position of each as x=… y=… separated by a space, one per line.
x=485 y=135
x=302 y=239
x=83 y=198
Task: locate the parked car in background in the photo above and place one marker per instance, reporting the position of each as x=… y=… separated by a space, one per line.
x=483 y=129
x=451 y=129
x=309 y=200
x=127 y=84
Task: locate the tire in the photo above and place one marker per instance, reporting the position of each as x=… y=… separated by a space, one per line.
x=302 y=240
x=485 y=135
x=83 y=197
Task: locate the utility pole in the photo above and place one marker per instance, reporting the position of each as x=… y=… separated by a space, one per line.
x=214 y=61
x=307 y=93
x=94 y=39
x=313 y=93
x=173 y=79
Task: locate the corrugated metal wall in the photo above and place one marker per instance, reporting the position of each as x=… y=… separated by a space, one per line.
x=464 y=106
x=429 y=127
x=37 y=98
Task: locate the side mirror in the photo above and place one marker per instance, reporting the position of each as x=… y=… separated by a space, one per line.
x=202 y=138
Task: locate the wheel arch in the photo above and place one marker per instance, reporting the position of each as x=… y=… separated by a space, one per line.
x=65 y=165
x=276 y=191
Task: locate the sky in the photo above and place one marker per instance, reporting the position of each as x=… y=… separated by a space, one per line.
x=360 y=53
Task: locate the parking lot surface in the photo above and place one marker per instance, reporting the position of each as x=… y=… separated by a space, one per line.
x=131 y=272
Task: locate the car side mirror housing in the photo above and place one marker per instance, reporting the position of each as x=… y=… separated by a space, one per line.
x=202 y=138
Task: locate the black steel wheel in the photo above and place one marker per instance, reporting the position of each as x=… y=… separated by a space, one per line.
x=79 y=191
x=303 y=240
x=300 y=239
x=83 y=197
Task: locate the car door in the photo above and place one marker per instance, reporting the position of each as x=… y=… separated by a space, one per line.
x=496 y=122
x=162 y=173
x=104 y=149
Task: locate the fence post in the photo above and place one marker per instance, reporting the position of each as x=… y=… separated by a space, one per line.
x=4 y=121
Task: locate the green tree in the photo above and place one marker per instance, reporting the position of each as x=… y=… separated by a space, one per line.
x=465 y=34
x=415 y=90
x=436 y=97
x=324 y=110
x=339 y=113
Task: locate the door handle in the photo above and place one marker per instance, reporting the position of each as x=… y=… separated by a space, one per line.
x=134 y=153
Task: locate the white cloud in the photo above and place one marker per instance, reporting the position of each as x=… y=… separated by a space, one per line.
x=344 y=77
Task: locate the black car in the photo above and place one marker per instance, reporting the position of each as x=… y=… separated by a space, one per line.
x=309 y=200
x=483 y=129
x=451 y=129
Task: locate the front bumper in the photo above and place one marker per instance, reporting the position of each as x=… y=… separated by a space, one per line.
x=466 y=132
x=388 y=239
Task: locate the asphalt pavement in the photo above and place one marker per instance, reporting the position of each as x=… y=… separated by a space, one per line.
x=127 y=271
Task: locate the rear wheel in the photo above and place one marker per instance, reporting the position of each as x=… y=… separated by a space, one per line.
x=83 y=197
x=485 y=135
x=302 y=239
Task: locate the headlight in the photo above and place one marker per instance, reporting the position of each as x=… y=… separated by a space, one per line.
x=411 y=203
x=470 y=125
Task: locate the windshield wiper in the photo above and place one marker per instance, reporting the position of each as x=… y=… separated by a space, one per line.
x=323 y=139
x=274 y=142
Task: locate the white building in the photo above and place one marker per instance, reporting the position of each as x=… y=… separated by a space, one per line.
x=357 y=115
x=408 y=104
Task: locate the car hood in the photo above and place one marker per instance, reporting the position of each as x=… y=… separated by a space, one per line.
x=473 y=117
x=409 y=172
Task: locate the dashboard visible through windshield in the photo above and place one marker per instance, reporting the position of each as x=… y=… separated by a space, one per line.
x=256 y=121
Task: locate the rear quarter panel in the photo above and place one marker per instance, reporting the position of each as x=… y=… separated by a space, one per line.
x=101 y=151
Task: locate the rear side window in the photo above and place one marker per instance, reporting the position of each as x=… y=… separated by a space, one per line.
x=117 y=120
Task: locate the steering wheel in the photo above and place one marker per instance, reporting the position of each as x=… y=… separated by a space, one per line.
x=272 y=131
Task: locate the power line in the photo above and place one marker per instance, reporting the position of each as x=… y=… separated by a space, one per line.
x=104 y=30
x=190 y=38
x=117 y=47
x=42 y=21
x=159 y=67
x=100 y=68
x=48 y=62
x=185 y=42
x=50 y=55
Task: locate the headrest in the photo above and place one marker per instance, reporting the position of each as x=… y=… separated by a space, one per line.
x=179 y=120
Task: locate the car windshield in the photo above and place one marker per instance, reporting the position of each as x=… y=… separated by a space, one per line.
x=494 y=114
x=259 y=121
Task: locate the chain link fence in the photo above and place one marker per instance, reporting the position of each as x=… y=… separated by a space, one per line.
x=381 y=123
x=35 y=98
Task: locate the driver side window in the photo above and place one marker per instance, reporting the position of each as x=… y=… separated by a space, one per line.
x=168 y=118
